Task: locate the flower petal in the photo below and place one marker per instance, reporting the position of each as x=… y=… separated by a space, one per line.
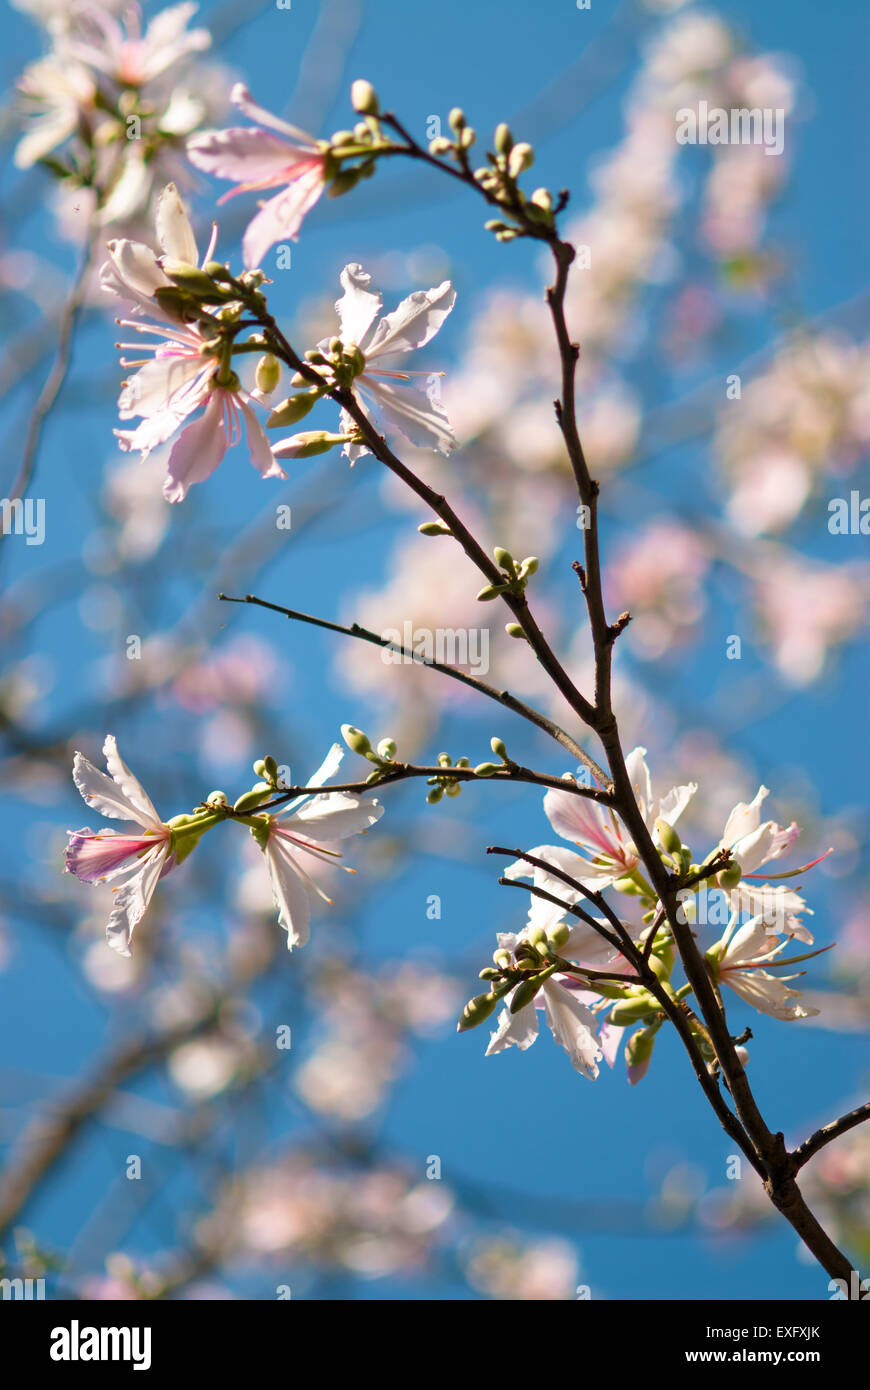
x=419 y=415
x=197 y=452
x=414 y=322
x=358 y=305
x=174 y=231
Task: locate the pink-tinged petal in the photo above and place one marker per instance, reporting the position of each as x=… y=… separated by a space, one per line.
x=174 y=231
x=514 y=1030
x=609 y=1036
x=289 y=893
x=156 y=387
x=768 y=994
x=130 y=786
x=94 y=857
x=358 y=305
x=105 y=796
x=414 y=322
x=131 y=902
x=334 y=816
x=197 y=452
x=281 y=217
x=672 y=806
x=248 y=156
x=132 y=272
x=149 y=434
x=420 y=417
x=241 y=98
x=583 y=821
x=262 y=457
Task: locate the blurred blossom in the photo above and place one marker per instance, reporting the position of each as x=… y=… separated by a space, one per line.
x=132 y=496
x=204 y=1067
x=807 y=417
x=512 y=1268
x=657 y=574
x=806 y=609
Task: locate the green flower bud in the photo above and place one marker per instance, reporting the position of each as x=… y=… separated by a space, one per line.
x=387 y=749
x=294 y=408
x=486 y=770
x=260 y=767
x=434 y=528
x=633 y=1010
x=190 y=278
x=453 y=789
x=638 y=1051
x=342 y=137
x=503 y=140
x=543 y=199
x=217 y=798
x=627 y=884
x=249 y=800
x=355 y=739
x=530 y=565
x=501 y=958
x=268 y=373
x=344 y=181
x=364 y=98
x=440 y=145
x=498 y=747
x=476 y=1011
x=271 y=768
x=489 y=592
x=467 y=137
x=558 y=935
x=668 y=837
x=456 y=119
x=216 y=270
x=489 y=973
x=503 y=559
x=435 y=795
x=730 y=877
x=307 y=444
x=514 y=630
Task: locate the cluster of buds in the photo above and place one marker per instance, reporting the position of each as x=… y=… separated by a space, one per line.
x=351 y=155
x=383 y=756
x=516 y=575
x=524 y=970
x=446 y=785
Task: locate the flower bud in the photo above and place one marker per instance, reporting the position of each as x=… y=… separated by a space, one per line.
x=514 y=630
x=489 y=592
x=190 y=278
x=467 y=137
x=730 y=877
x=503 y=140
x=364 y=98
x=498 y=748
x=356 y=740
x=440 y=145
x=486 y=770
x=387 y=748
x=501 y=958
x=268 y=373
x=530 y=565
x=476 y=1011
x=435 y=795
x=343 y=182
x=249 y=800
x=558 y=935
x=503 y=559
x=668 y=837
x=294 y=408
x=456 y=119
x=307 y=444
x=434 y=528
x=638 y=1052
x=522 y=157
x=342 y=137
x=542 y=198
x=217 y=798
x=632 y=1010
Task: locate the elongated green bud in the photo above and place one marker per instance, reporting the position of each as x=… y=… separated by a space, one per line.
x=293 y=408
x=456 y=119
x=434 y=528
x=249 y=800
x=190 y=278
x=489 y=592
x=486 y=769
x=355 y=739
x=514 y=630
x=638 y=1052
x=522 y=157
x=558 y=935
x=503 y=140
x=307 y=444
x=503 y=559
x=498 y=748
x=668 y=837
x=268 y=373
x=476 y=1011
x=632 y=1010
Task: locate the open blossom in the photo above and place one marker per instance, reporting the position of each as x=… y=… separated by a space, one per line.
x=270 y=154
x=184 y=372
x=607 y=851
x=754 y=842
x=739 y=961
x=138 y=859
x=569 y=1018
x=382 y=386
x=119 y=49
x=305 y=828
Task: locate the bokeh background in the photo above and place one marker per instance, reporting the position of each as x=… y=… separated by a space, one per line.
x=315 y=1168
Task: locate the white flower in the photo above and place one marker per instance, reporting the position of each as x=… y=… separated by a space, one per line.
x=382 y=386
x=754 y=842
x=294 y=833
x=184 y=373
x=139 y=860
x=738 y=960
x=608 y=852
